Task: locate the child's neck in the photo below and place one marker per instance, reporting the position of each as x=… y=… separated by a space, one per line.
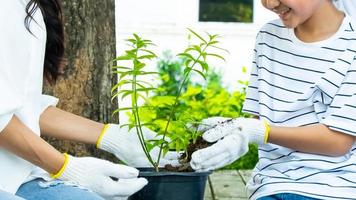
x=322 y=25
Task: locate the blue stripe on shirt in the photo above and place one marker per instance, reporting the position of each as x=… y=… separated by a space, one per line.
x=293 y=66
x=297 y=55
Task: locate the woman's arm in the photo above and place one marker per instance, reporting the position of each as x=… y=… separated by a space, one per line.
x=60 y=124
x=317 y=139
x=20 y=140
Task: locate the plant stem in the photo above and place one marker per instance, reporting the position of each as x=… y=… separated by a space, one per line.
x=176 y=100
x=137 y=119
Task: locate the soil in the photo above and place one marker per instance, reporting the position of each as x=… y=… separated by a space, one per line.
x=184 y=159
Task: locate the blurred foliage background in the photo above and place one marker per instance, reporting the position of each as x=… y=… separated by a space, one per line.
x=226 y=10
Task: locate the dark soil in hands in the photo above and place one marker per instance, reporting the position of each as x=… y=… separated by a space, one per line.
x=200 y=143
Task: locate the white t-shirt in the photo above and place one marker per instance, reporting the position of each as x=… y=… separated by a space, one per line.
x=348 y=6
x=296 y=84
x=21 y=76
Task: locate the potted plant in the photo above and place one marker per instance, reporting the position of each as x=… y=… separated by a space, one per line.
x=172 y=183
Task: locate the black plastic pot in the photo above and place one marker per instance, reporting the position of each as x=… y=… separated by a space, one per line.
x=172 y=185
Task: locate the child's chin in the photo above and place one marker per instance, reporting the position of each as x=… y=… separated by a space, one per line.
x=289 y=25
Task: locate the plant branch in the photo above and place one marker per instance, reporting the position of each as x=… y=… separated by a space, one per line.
x=177 y=98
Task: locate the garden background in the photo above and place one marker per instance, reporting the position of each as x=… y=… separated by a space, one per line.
x=95 y=33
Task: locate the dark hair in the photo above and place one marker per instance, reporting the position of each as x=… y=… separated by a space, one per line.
x=52 y=15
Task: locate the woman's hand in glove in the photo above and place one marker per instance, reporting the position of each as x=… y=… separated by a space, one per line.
x=96 y=175
x=126 y=146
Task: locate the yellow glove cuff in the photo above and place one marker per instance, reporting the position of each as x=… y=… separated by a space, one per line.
x=268 y=129
x=98 y=142
x=60 y=172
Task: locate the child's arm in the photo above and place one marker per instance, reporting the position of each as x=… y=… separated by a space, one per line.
x=231 y=137
x=317 y=139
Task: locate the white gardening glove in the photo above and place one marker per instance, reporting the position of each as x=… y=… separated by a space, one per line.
x=126 y=146
x=232 y=137
x=95 y=174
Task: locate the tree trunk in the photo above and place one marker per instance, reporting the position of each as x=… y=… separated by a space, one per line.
x=84 y=88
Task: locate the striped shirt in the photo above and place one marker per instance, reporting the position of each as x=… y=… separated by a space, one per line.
x=296 y=84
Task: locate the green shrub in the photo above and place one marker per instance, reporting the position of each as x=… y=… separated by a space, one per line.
x=196 y=103
x=132 y=71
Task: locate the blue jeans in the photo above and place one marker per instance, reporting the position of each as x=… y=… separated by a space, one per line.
x=286 y=196
x=40 y=190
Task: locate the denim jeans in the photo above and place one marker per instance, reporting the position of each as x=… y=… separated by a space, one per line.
x=40 y=190
x=286 y=196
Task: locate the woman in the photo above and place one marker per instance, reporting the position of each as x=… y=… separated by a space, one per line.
x=31 y=47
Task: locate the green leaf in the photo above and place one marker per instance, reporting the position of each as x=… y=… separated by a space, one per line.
x=116 y=111
x=203 y=54
x=147 y=57
x=187 y=62
x=197 y=35
x=119 y=92
x=145 y=82
x=212 y=37
x=125 y=108
x=197 y=48
x=124 y=74
x=120 y=67
x=187 y=70
x=122 y=82
x=244 y=70
x=138 y=65
x=148 y=42
x=137 y=37
x=200 y=73
x=216 y=55
x=123 y=57
x=165 y=150
x=131 y=40
x=131 y=53
x=146 y=73
x=204 y=65
x=141 y=96
x=216 y=47
x=127 y=93
x=187 y=55
x=148 y=51
x=212 y=43
x=123 y=125
x=148 y=124
x=191 y=49
x=145 y=89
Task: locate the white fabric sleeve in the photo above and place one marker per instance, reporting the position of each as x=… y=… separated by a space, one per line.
x=10 y=100
x=47 y=101
x=347 y=6
x=14 y=61
x=341 y=114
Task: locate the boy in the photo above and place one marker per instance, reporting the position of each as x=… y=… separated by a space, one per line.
x=302 y=92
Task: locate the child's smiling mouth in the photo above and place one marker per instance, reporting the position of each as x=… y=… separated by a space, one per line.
x=282 y=11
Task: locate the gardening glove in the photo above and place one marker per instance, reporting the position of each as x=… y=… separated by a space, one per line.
x=126 y=146
x=96 y=175
x=232 y=137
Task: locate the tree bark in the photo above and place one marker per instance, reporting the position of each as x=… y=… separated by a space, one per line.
x=84 y=88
